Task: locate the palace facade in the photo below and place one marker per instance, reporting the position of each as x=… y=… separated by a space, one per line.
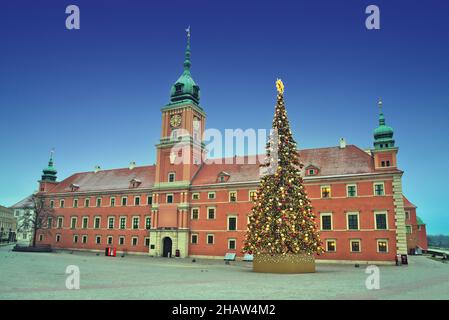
x=200 y=208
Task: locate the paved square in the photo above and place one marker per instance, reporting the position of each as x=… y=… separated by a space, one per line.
x=42 y=276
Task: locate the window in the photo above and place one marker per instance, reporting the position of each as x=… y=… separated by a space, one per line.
x=355 y=245
x=75 y=238
x=121 y=241
x=62 y=203
x=111 y=222
x=110 y=240
x=353 y=221
x=231 y=244
x=52 y=204
x=382 y=246
x=325 y=192
x=98 y=202
x=381 y=221
x=195 y=196
x=252 y=195
x=382 y=163
x=211 y=195
x=311 y=172
x=124 y=201
x=58 y=238
x=41 y=237
x=210 y=239
x=195 y=214
x=122 y=223
x=85 y=222
x=326 y=221
x=134 y=241
x=419 y=227
x=87 y=202
x=112 y=202
x=49 y=222
x=148 y=223
x=331 y=246
x=147 y=242
x=137 y=201
x=136 y=223
x=178 y=88
x=169 y=198
x=73 y=223
x=171 y=177
x=60 y=222
x=149 y=200
x=408 y=229
x=75 y=203
x=232 y=196
x=98 y=240
x=407 y=215
x=351 y=190
x=232 y=223
x=379 y=189
x=84 y=239
x=194 y=238
x=97 y=223
x=388 y=163
x=211 y=213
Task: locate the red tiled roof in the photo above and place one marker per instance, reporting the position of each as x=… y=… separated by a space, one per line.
x=116 y=179
x=407 y=203
x=331 y=161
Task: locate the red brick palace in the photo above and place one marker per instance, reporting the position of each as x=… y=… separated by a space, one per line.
x=200 y=209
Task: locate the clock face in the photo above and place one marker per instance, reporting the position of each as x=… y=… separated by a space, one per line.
x=175 y=120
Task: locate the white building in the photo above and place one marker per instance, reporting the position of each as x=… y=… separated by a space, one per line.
x=24 y=213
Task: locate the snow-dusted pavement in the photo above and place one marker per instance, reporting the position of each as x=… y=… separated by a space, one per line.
x=42 y=276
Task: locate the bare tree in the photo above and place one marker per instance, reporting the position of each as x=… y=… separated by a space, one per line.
x=43 y=217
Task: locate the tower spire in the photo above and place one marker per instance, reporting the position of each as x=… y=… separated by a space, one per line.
x=383 y=134
x=49 y=173
x=381 y=114
x=187 y=62
x=185 y=88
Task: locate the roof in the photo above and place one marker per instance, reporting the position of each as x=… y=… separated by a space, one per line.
x=24 y=203
x=407 y=203
x=5 y=209
x=332 y=161
x=115 y=179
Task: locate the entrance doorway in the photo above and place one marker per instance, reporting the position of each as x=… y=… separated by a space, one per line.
x=167 y=247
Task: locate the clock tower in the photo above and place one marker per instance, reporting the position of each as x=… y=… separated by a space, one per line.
x=179 y=157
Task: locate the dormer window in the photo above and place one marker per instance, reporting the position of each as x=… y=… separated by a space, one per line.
x=134 y=183
x=196 y=91
x=74 y=187
x=311 y=170
x=223 y=177
x=178 y=88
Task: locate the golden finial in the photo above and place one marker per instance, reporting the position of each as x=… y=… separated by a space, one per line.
x=280 y=86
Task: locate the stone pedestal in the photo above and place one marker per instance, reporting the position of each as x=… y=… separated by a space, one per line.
x=288 y=263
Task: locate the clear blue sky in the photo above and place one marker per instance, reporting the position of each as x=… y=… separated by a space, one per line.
x=95 y=94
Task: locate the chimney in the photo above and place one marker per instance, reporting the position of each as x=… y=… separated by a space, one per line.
x=342 y=143
x=132 y=165
x=97 y=168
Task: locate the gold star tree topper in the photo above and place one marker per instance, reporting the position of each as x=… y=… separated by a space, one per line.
x=280 y=86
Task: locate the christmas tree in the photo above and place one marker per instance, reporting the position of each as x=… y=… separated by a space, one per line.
x=282 y=220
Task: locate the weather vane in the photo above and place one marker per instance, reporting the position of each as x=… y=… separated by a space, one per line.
x=188 y=32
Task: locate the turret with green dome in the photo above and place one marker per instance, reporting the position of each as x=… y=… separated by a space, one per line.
x=49 y=173
x=383 y=134
x=185 y=87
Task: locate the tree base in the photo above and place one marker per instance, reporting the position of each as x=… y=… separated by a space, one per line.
x=288 y=263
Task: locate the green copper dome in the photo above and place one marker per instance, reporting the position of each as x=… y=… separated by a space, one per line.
x=49 y=173
x=383 y=134
x=185 y=87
